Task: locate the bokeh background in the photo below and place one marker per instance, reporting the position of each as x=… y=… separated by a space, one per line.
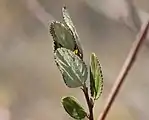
x=31 y=86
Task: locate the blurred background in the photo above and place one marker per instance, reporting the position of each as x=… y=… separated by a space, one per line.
x=31 y=86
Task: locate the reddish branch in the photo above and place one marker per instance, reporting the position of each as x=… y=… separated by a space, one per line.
x=124 y=71
x=89 y=103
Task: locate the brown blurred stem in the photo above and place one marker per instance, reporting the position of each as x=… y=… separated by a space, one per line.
x=89 y=103
x=124 y=71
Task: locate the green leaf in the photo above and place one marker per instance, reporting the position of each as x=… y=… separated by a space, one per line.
x=68 y=22
x=73 y=69
x=96 y=77
x=62 y=36
x=73 y=108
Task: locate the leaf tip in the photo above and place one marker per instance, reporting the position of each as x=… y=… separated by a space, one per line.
x=64 y=7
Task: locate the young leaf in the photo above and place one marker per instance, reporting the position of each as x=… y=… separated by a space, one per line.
x=96 y=77
x=62 y=36
x=73 y=108
x=73 y=69
x=68 y=22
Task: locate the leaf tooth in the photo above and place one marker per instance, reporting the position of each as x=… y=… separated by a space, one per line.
x=53 y=34
x=101 y=75
x=51 y=29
